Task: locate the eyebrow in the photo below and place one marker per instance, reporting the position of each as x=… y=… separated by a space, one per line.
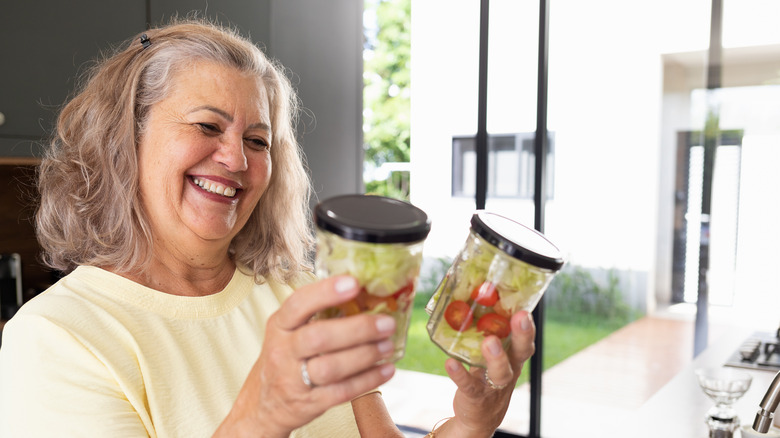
x=228 y=117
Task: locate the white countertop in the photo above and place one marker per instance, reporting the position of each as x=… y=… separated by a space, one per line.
x=679 y=408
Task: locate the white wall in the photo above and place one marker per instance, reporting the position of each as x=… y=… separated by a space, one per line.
x=605 y=88
x=620 y=88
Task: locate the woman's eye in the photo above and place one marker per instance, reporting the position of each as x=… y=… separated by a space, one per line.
x=258 y=143
x=208 y=128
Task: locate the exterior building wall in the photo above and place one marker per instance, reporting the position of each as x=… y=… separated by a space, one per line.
x=618 y=94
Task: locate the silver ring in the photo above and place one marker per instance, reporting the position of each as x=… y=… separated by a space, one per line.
x=490 y=382
x=305 y=374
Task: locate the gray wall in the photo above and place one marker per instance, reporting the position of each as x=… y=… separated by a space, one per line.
x=320 y=42
x=44 y=44
x=249 y=16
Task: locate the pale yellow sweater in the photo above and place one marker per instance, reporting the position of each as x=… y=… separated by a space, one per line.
x=97 y=355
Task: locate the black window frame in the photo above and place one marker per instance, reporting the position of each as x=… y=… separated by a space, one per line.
x=541 y=145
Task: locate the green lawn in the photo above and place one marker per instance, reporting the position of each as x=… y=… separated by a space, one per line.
x=563 y=337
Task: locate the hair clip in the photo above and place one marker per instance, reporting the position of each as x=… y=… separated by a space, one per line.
x=145 y=41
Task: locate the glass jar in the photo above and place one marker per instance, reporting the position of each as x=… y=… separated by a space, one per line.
x=503 y=268
x=379 y=242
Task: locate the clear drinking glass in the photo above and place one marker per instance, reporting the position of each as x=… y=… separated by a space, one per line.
x=378 y=241
x=724 y=386
x=503 y=268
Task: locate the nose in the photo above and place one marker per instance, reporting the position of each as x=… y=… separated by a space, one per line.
x=230 y=153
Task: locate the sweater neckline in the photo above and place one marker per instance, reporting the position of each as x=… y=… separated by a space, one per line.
x=165 y=304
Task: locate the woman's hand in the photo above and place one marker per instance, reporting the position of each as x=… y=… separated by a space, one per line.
x=338 y=356
x=480 y=404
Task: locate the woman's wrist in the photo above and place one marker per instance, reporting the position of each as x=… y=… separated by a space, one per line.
x=450 y=427
x=436 y=427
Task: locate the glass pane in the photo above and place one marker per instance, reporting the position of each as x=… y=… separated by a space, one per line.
x=511 y=124
x=444 y=72
x=445 y=68
x=614 y=110
x=630 y=110
x=749 y=104
x=511 y=107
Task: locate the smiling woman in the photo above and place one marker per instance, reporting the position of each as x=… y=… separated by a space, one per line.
x=98 y=128
x=197 y=143
x=175 y=194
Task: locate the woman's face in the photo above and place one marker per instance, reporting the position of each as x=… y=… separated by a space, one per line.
x=204 y=158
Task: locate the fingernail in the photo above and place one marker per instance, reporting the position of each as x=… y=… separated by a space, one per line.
x=387 y=370
x=494 y=347
x=525 y=323
x=385 y=346
x=344 y=284
x=385 y=324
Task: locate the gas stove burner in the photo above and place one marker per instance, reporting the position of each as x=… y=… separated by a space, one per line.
x=770 y=352
x=750 y=350
x=760 y=351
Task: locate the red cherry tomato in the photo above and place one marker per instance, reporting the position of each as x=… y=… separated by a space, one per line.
x=458 y=315
x=409 y=288
x=485 y=294
x=494 y=324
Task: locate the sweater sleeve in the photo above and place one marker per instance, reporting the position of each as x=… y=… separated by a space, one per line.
x=51 y=384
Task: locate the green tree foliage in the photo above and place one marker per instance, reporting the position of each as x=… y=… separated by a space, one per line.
x=386 y=95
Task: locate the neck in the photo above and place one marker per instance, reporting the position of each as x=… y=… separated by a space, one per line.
x=186 y=272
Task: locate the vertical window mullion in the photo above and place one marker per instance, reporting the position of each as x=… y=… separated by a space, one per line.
x=482 y=140
x=540 y=155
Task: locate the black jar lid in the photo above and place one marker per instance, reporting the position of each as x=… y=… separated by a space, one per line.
x=517 y=240
x=374 y=219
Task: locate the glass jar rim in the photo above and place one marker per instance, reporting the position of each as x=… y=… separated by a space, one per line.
x=517 y=240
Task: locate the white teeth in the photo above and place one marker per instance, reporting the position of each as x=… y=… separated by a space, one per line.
x=213 y=187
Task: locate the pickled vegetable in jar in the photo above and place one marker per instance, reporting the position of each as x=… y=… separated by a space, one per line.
x=378 y=241
x=504 y=267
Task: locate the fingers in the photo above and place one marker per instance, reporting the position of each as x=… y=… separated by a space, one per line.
x=361 y=383
x=310 y=299
x=306 y=367
x=325 y=336
x=334 y=350
x=336 y=367
x=458 y=373
x=523 y=333
x=502 y=367
x=483 y=394
x=499 y=372
x=470 y=382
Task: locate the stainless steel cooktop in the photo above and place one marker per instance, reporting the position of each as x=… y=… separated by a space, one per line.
x=760 y=351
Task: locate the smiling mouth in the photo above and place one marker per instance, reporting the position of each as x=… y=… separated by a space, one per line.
x=212 y=187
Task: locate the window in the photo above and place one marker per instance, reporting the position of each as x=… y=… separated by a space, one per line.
x=510 y=166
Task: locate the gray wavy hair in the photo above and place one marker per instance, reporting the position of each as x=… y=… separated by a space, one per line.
x=90 y=211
